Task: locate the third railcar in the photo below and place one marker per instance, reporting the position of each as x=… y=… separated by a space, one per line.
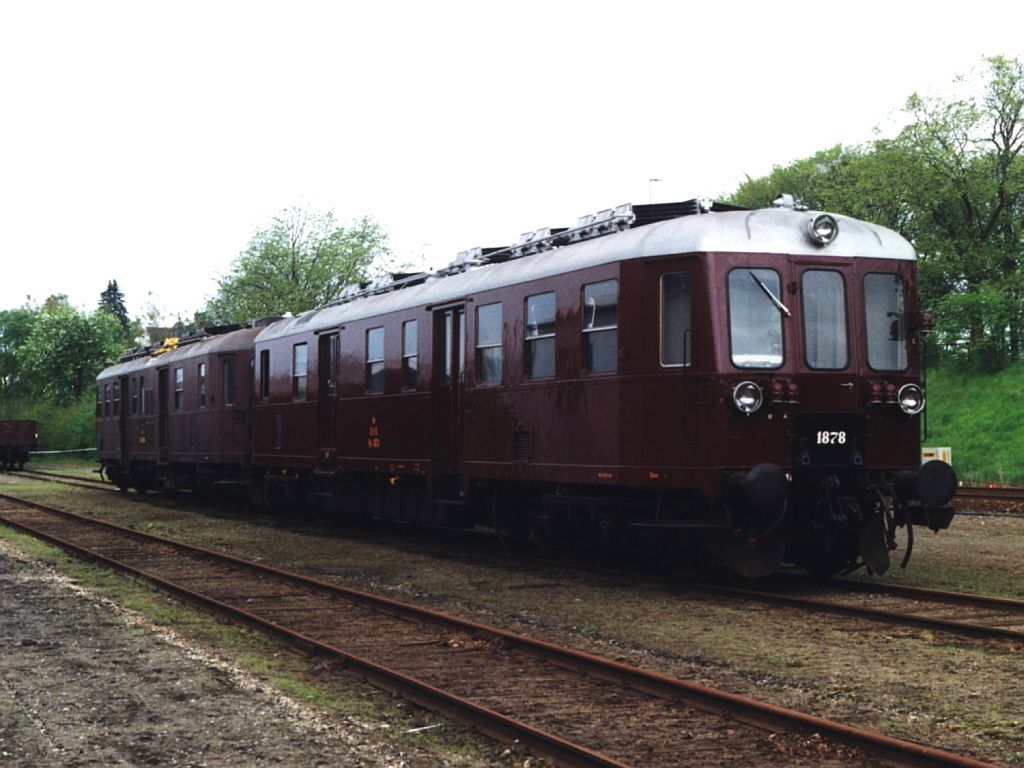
x=654 y=373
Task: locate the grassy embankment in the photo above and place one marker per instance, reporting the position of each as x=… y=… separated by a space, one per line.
x=980 y=417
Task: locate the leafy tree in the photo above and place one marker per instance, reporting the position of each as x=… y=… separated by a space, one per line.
x=112 y=300
x=15 y=328
x=301 y=261
x=971 y=209
x=65 y=350
x=952 y=181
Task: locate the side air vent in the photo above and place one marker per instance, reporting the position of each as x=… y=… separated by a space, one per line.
x=522 y=445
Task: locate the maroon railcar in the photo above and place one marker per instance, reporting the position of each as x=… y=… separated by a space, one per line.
x=17 y=440
x=656 y=370
x=654 y=374
x=178 y=415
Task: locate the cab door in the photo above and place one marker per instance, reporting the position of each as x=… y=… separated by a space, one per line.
x=448 y=389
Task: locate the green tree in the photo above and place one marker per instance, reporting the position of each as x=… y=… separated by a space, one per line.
x=65 y=350
x=952 y=182
x=303 y=260
x=970 y=208
x=15 y=328
x=112 y=300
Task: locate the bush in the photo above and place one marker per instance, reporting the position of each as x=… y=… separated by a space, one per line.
x=63 y=427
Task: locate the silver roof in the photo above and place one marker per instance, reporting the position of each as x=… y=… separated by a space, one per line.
x=234 y=341
x=770 y=230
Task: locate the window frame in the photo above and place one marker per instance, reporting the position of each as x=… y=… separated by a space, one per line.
x=904 y=320
x=201 y=383
x=586 y=333
x=730 y=327
x=300 y=378
x=374 y=379
x=410 y=359
x=687 y=332
x=532 y=340
x=229 y=372
x=179 y=389
x=845 y=315
x=264 y=372
x=483 y=349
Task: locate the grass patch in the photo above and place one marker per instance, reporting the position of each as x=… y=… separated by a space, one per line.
x=977 y=416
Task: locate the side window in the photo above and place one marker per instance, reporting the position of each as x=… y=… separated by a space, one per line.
x=179 y=388
x=300 y=365
x=540 y=336
x=488 y=343
x=676 y=319
x=106 y=399
x=600 y=313
x=117 y=398
x=264 y=374
x=143 y=408
x=201 y=384
x=135 y=396
x=409 y=356
x=375 y=360
x=229 y=381
x=99 y=400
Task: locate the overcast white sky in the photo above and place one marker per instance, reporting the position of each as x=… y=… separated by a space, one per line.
x=146 y=141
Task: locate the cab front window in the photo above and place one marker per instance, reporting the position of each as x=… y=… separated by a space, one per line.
x=824 y=313
x=755 y=318
x=885 y=317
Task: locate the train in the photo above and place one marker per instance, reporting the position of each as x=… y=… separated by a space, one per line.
x=18 y=439
x=670 y=380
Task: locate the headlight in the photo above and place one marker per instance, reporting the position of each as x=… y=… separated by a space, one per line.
x=747 y=397
x=822 y=229
x=911 y=399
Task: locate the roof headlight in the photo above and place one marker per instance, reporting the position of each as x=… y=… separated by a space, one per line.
x=747 y=397
x=822 y=229
x=911 y=399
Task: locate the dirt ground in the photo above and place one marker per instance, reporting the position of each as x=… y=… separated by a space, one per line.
x=84 y=683
x=963 y=695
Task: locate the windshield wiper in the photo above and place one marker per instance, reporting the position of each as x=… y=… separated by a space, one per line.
x=768 y=292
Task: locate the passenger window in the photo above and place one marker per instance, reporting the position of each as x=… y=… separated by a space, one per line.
x=410 y=370
x=135 y=396
x=601 y=326
x=488 y=343
x=117 y=398
x=229 y=381
x=300 y=364
x=824 y=312
x=755 y=318
x=886 y=320
x=179 y=388
x=676 y=319
x=375 y=360
x=264 y=374
x=540 y=336
x=201 y=384
x=142 y=396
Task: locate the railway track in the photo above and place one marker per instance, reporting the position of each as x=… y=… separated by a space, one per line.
x=959 y=613
x=999 y=494
x=573 y=707
x=58 y=477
